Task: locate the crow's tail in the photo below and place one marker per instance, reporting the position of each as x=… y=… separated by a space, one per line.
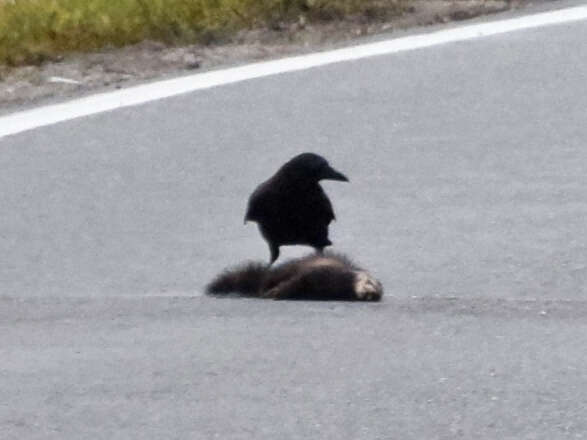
x=245 y=280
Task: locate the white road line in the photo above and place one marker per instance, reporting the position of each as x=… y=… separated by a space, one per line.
x=102 y=102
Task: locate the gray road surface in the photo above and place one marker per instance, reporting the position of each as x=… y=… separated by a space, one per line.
x=184 y=368
x=468 y=199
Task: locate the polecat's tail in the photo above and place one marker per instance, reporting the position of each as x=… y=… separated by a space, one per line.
x=244 y=280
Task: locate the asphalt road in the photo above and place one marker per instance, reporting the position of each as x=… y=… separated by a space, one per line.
x=468 y=200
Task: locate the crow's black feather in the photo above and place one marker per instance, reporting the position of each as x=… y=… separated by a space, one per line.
x=291 y=207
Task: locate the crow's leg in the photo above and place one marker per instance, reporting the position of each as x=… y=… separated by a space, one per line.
x=320 y=244
x=274 y=252
x=320 y=248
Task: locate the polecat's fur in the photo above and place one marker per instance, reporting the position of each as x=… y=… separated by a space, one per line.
x=318 y=277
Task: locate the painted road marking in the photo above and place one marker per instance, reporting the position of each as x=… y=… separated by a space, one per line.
x=102 y=102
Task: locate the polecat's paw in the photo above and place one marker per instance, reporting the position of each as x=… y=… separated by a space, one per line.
x=366 y=287
x=269 y=294
x=276 y=293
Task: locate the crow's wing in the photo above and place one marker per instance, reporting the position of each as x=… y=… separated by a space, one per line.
x=259 y=203
x=320 y=206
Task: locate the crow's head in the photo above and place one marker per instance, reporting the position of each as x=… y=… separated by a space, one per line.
x=312 y=168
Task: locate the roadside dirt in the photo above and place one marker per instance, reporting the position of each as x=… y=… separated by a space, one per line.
x=77 y=74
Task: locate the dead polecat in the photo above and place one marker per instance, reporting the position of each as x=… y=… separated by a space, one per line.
x=318 y=277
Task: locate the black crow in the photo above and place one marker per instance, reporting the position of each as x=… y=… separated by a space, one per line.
x=315 y=277
x=291 y=207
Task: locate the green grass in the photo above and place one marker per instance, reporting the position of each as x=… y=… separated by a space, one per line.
x=32 y=31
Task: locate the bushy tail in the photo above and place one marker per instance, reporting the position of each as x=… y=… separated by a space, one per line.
x=245 y=280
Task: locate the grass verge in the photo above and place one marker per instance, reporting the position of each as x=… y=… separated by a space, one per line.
x=33 y=31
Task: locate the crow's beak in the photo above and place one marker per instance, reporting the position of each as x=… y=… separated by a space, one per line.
x=331 y=174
